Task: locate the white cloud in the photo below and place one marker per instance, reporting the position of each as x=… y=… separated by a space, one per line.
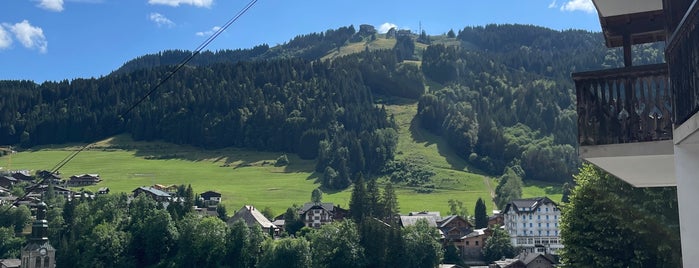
x=161 y=20
x=386 y=26
x=5 y=38
x=30 y=36
x=579 y=5
x=553 y=4
x=209 y=32
x=175 y=3
x=52 y=5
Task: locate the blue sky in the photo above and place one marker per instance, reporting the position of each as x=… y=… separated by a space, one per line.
x=53 y=40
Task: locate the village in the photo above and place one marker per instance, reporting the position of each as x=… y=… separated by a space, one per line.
x=532 y=223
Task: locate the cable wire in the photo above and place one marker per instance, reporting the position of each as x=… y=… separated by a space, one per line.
x=150 y=92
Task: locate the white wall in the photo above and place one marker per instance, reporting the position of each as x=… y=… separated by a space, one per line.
x=687 y=172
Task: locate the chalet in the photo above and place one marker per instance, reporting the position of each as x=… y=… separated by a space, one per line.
x=22 y=175
x=54 y=178
x=103 y=190
x=252 y=217
x=83 y=179
x=57 y=190
x=210 y=197
x=206 y=211
x=7 y=181
x=454 y=227
x=154 y=193
x=317 y=214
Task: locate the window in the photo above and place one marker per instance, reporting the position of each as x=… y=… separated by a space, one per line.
x=539 y=217
x=547 y=209
x=538 y=209
x=524 y=224
x=531 y=225
x=530 y=217
x=547 y=217
x=547 y=224
x=539 y=224
x=467 y=243
x=476 y=242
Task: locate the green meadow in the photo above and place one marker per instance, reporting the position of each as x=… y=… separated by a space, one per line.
x=250 y=177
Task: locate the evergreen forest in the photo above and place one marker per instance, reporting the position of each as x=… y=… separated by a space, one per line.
x=501 y=95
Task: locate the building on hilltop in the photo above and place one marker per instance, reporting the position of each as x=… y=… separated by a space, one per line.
x=641 y=123
x=533 y=224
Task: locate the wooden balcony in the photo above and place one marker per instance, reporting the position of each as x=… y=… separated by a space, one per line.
x=682 y=52
x=624 y=105
x=625 y=123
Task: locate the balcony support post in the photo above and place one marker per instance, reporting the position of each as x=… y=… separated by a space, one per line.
x=628 y=60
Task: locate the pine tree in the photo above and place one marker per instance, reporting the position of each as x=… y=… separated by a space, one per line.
x=481 y=214
x=358 y=201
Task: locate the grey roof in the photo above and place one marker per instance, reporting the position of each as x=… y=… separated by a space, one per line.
x=476 y=232
x=450 y=218
x=327 y=206
x=412 y=220
x=154 y=191
x=531 y=203
x=10 y=263
x=250 y=215
x=529 y=257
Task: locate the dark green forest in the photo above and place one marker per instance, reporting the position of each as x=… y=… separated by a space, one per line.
x=502 y=98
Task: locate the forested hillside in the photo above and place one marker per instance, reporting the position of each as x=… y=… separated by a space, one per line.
x=501 y=95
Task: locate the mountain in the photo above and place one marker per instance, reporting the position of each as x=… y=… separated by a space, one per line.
x=500 y=94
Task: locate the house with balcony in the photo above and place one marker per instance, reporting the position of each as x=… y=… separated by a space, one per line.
x=639 y=123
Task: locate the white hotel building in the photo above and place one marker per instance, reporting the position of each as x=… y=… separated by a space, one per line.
x=533 y=224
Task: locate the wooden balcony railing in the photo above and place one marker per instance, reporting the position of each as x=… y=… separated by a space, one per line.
x=682 y=54
x=624 y=105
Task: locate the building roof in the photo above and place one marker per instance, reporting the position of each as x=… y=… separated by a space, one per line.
x=446 y=220
x=412 y=220
x=11 y=263
x=153 y=191
x=528 y=204
x=643 y=21
x=250 y=215
x=527 y=258
x=434 y=214
x=476 y=233
x=327 y=206
x=509 y=263
x=209 y=194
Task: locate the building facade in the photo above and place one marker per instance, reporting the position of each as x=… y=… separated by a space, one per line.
x=533 y=224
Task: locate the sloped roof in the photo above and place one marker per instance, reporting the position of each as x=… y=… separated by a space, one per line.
x=251 y=216
x=519 y=205
x=154 y=191
x=209 y=194
x=476 y=232
x=451 y=218
x=327 y=206
x=412 y=220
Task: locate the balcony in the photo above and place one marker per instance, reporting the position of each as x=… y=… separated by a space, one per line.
x=683 y=52
x=625 y=123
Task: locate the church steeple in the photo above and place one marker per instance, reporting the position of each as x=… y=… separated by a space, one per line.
x=38 y=253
